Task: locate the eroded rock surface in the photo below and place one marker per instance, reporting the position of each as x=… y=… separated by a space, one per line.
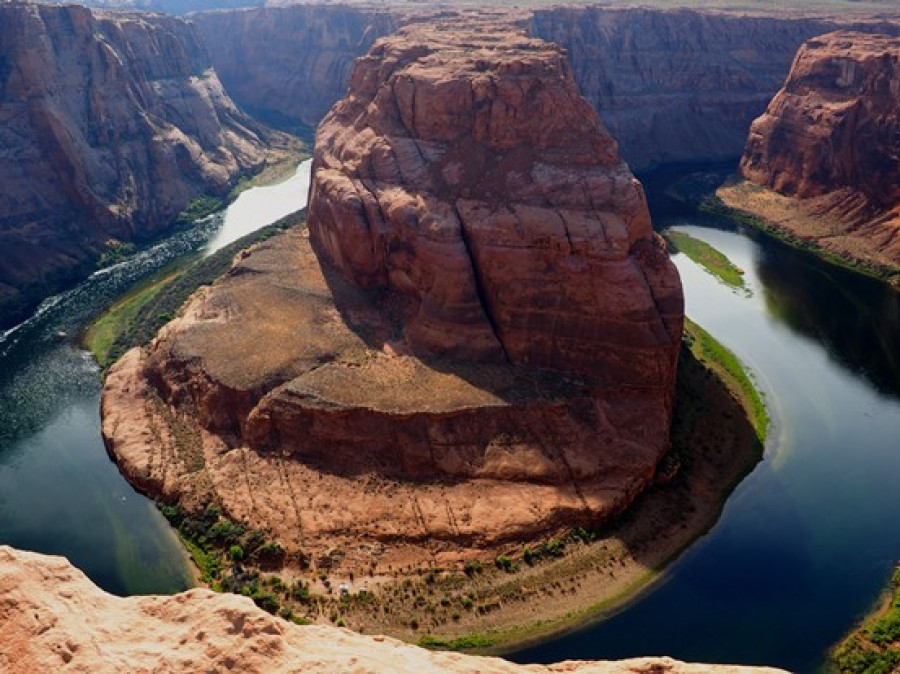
x=466 y=173
x=112 y=123
x=671 y=85
x=55 y=620
x=486 y=353
x=288 y=65
x=830 y=139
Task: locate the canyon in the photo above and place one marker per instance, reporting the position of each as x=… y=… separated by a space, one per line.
x=671 y=85
x=827 y=150
x=423 y=373
x=112 y=124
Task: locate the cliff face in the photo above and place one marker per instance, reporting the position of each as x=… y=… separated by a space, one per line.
x=830 y=139
x=476 y=156
x=488 y=354
x=679 y=85
x=54 y=619
x=287 y=66
x=670 y=85
x=111 y=125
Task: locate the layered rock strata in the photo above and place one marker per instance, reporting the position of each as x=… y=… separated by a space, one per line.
x=487 y=353
x=111 y=125
x=681 y=85
x=55 y=620
x=830 y=140
x=670 y=85
x=288 y=65
x=466 y=173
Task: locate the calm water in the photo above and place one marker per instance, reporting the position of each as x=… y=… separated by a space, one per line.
x=59 y=492
x=809 y=539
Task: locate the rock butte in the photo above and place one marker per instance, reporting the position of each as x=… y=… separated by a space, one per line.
x=54 y=619
x=486 y=354
x=829 y=140
x=112 y=123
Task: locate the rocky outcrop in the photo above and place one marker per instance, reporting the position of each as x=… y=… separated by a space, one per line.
x=669 y=85
x=830 y=139
x=288 y=65
x=681 y=85
x=111 y=125
x=487 y=354
x=54 y=620
x=472 y=152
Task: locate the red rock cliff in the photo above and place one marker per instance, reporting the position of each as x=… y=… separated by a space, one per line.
x=465 y=172
x=112 y=124
x=831 y=137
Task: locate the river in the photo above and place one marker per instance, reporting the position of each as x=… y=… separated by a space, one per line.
x=807 y=541
x=801 y=551
x=59 y=492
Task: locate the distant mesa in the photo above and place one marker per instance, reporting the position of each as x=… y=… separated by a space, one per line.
x=483 y=351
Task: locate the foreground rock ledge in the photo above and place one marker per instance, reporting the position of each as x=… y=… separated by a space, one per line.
x=55 y=620
x=483 y=353
x=828 y=143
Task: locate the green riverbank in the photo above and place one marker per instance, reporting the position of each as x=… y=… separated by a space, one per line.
x=707 y=257
x=874 y=647
x=135 y=318
x=741 y=192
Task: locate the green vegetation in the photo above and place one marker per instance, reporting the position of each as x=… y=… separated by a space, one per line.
x=874 y=648
x=713 y=261
x=135 y=318
x=466 y=643
x=101 y=335
x=715 y=206
x=707 y=350
x=116 y=251
x=199 y=208
x=217 y=545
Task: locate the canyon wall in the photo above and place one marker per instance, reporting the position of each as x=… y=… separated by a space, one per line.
x=288 y=66
x=670 y=85
x=830 y=139
x=54 y=619
x=111 y=125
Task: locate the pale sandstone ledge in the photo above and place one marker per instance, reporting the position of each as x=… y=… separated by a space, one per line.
x=55 y=620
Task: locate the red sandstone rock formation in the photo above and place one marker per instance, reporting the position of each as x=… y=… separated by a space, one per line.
x=55 y=620
x=465 y=172
x=488 y=355
x=111 y=125
x=831 y=139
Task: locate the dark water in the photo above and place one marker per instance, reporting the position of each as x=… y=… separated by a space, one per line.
x=809 y=539
x=59 y=491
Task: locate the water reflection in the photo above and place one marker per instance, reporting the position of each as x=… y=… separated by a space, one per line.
x=856 y=320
